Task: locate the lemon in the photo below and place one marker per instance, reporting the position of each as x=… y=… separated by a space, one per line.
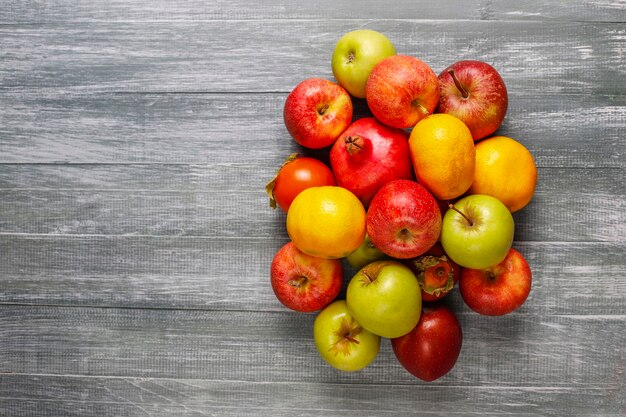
x=443 y=155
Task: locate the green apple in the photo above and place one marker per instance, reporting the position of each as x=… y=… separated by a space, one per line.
x=477 y=231
x=341 y=340
x=355 y=55
x=365 y=254
x=385 y=297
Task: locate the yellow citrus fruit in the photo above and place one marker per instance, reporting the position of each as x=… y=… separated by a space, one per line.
x=327 y=221
x=506 y=170
x=443 y=155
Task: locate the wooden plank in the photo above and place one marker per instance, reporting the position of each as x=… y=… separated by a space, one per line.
x=132 y=177
x=68 y=396
x=196 y=209
x=233 y=273
x=231 y=56
x=509 y=351
x=198 y=213
x=230 y=130
x=135 y=242
x=206 y=129
x=245 y=178
x=31 y=11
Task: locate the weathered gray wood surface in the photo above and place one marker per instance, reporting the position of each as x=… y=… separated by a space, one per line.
x=233 y=56
x=135 y=236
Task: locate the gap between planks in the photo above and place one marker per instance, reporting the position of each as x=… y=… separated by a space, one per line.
x=329 y=383
x=283 y=311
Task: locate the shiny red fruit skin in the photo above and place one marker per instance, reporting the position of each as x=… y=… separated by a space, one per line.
x=431 y=349
x=403 y=206
x=500 y=289
x=368 y=155
x=298 y=175
x=484 y=110
x=401 y=90
x=324 y=279
x=316 y=112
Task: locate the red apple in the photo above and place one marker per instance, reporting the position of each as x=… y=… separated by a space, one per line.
x=368 y=155
x=497 y=290
x=303 y=282
x=474 y=92
x=316 y=112
x=403 y=219
x=431 y=349
x=436 y=273
x=402 y=90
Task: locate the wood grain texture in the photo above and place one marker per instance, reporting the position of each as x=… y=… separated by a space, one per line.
x=135 y=238
x=54 y=11
x=233 y=273
x=230 y=130
x=217 y=345
x=220 y=56
x=187 y=206
x=69 y=396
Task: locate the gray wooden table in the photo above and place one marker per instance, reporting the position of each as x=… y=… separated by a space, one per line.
x=136 y=137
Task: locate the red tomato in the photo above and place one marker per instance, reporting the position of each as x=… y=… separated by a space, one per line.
x=297 y=174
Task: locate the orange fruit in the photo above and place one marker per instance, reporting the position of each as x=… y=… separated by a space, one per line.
x=443 y=155
x=506 y=170
x=327 y=221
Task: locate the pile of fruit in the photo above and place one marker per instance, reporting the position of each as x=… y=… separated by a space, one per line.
x=416 y=198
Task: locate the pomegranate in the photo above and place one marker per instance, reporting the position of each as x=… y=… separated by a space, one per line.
x=368 y=155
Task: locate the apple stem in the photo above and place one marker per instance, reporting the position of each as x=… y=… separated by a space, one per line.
x=322 y=109
x=458 y=85
x=298 y=282
x=368 y=277
x=350 y=338
x=420 y=108
x=451 y=206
